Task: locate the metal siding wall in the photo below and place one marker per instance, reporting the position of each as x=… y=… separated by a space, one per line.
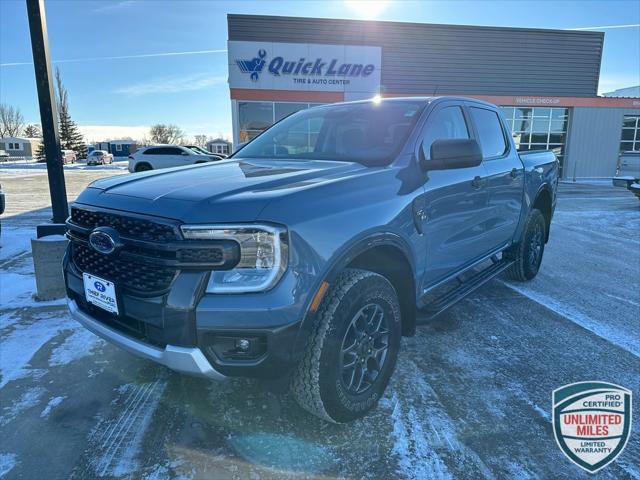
x=594 y=141
x=428 y=58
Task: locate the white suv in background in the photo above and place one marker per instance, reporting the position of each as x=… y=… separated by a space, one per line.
x=164 y=156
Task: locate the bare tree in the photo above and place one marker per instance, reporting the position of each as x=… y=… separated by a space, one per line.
x=11 y=121
x=32 y=131
x=161 y=133
x=201 y=140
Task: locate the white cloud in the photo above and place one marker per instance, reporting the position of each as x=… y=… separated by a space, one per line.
x=609 y=83
x=113 y=6
x=607 y=27
x=122 y=57
x=97 y=133
x=172 y=84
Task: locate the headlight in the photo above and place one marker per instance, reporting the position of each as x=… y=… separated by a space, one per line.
x=263 y=256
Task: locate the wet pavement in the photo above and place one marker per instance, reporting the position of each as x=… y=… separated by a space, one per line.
x=470 y=398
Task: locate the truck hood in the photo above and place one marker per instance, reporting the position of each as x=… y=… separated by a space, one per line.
x=226 y=191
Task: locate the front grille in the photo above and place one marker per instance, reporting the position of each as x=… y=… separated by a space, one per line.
x=131 y=227
x=201 y=255
x=135 y=275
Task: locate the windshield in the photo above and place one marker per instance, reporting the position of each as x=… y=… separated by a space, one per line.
x=368 y=133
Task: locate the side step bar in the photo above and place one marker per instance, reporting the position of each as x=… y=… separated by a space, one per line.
x=435 y=308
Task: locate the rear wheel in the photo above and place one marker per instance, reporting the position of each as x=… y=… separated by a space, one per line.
x=352 y=350
x=528 y=253
x=143 y=167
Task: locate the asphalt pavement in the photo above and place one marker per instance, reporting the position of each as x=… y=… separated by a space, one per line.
x=470 y=398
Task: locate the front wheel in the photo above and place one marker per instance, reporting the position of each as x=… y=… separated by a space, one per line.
x=527 y=254
x=352 y=349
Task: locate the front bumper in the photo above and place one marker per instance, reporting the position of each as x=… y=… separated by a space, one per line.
x=184 y=320
x=181 y=359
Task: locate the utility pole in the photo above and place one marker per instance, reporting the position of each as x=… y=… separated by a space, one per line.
x=48 y=117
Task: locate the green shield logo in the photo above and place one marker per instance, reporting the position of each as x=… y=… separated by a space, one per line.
x=591 y=422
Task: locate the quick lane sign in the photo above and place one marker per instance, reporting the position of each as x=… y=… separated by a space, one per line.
x=299 y=66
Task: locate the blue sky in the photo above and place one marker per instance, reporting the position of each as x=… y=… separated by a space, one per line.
x=120 y=64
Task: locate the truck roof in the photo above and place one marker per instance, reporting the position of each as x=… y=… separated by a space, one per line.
x=418 y=99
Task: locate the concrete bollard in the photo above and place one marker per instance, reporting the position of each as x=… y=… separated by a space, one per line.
x=47 y=263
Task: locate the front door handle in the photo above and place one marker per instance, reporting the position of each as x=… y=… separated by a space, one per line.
x=514 y=172
x=477 y=182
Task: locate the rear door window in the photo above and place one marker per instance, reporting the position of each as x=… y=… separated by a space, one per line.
x=490 y=132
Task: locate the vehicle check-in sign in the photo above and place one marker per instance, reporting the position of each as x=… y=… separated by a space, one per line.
x=306 y=67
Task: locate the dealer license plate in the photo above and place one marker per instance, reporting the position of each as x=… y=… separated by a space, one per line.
x=100 y=292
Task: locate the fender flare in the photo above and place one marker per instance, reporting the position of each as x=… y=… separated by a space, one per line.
x=352 y=250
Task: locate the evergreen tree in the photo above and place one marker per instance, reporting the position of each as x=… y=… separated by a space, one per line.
x=70 y=136
x=32 y=131
x=40 y=156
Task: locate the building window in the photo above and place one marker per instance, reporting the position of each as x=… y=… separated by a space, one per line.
x=539 y=128
x=630 y=138
x=255 y=117
x=118 y=147
x=13 y=146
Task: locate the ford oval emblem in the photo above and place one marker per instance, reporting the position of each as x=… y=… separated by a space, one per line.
x=102 y=242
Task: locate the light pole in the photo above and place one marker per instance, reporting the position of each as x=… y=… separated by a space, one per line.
x=48 y=117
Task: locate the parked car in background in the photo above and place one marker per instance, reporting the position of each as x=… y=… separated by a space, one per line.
x=99 y=157
x=312 y=255
x=628 y=171
x=202 y=151
x=165 y=156
x=4 y=156
x=68 y=156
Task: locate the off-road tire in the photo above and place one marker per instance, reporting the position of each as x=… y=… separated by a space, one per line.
x=143 y=167
x=316 y=383
x=523 y=269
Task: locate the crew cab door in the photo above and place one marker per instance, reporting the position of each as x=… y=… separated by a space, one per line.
x=455 y=201
x=505 y=174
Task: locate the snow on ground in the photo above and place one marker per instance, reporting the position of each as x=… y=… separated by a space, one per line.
x=79 y=344
x=14 y=241
x=29 y=399
x=53 y=403
x=424 y=435
x=116 y=443
x=7 y=462
x=630 y=341
x=29 y=168
x=17 y=282
x=20 y=341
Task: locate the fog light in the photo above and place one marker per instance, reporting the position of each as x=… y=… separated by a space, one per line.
x=243 y=344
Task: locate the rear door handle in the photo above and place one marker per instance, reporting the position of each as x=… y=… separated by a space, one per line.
x=477 y=182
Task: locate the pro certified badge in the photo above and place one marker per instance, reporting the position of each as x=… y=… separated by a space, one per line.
x=592 y=422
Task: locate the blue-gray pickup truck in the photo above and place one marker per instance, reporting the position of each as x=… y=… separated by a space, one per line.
x=310 y=252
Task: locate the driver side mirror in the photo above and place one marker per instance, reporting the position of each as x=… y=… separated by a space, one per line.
x=451 y=153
